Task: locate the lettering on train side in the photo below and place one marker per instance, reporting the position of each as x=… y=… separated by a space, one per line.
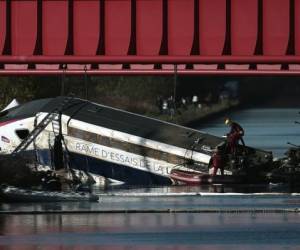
x=121 y=158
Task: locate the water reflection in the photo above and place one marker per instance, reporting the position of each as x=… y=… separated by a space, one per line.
x=218 y=188
x=150 y=231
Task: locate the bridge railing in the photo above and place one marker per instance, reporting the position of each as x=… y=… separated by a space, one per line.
x=149 y=37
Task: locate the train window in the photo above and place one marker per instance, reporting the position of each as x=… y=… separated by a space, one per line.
x=22 y=133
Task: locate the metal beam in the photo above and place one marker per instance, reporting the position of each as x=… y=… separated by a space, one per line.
x=41 y=72
x=149 y=59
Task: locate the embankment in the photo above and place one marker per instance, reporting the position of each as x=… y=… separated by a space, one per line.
x=192 y=116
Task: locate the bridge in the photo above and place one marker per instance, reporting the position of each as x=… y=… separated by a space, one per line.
x=153 y=37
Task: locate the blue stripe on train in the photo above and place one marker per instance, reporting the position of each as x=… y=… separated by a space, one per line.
x=108 y=169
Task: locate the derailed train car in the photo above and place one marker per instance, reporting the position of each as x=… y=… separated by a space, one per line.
x=112 y=143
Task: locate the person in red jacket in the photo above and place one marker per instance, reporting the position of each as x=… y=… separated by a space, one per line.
x=217 y=161
x=234 y=136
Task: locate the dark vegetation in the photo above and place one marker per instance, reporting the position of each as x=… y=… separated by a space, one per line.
x=139 y=94
x=270 y=91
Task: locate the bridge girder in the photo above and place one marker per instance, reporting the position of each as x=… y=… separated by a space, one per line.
x=130 y=37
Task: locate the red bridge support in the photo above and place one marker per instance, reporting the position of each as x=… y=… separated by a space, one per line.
x=245 y=37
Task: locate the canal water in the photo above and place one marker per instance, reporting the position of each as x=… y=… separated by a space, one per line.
x=208 y=217
x=266 y=128
x=207 y=231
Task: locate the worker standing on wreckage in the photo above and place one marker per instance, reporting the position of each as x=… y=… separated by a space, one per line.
x=234 y=136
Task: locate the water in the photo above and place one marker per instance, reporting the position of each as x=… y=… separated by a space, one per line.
x=157 y=218
x=208 y=217
x=151 y=231
x=268 y=129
